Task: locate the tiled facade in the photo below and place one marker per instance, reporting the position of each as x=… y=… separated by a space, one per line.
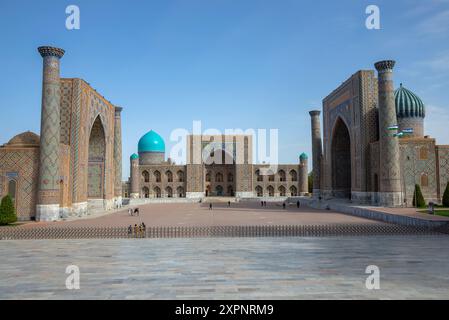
x=354 y=154
x=228 y=171
x=88 y=160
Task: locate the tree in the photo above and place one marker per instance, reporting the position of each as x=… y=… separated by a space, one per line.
x=446 y=196
x=7 y=211
x=418 y=199
x=310 y=182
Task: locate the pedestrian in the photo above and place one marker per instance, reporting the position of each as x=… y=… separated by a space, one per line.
x=136 y=230
x=130 y=230
x=261 y=203
x=130 y=211
x=229 y=203
x=210 y=206
x=283 y=206
x=265 y=203
x=298 y=204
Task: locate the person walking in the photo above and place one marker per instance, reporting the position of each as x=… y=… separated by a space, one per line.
x=130 y=230
x=283 y=206
x=298 y=204
x=229 y=203
x=130 y=212
x=210 y=206
x=261 y=203
x=136 y=230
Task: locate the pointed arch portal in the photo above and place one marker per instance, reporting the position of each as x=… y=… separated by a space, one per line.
x=341 y=160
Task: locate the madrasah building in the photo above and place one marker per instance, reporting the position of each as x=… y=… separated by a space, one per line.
x=75 y=166
x=372 y=148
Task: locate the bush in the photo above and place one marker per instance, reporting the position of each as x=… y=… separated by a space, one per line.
x=7 y=211
x=446 y=196
x=418 y=199
x=310 y=182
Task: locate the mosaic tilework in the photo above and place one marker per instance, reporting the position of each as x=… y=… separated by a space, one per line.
x=443 y=162
x=24 y=162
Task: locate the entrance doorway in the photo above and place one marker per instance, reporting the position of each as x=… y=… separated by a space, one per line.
x=341 y=160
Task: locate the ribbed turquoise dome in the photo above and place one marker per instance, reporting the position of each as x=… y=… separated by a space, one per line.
x=408 y=104
x=134 y=156
x=303 y=156
x=151 y=142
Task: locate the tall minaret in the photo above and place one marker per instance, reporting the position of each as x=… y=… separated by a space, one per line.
x=390 y=194
x=135 y=176
x=118 y=155
x=317 y=151
x=47 y=208
x=303 y=174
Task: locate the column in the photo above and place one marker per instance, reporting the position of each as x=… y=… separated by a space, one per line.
x=118 y=155
x=316 y=151
x=390 y=194
x=47 y=208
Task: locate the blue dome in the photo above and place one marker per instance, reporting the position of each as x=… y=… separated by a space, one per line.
x=303 y=156
x=134 y=156
x=151 y=142
x=408 y=104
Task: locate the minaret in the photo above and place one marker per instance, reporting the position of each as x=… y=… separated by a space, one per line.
x=390 y=178
x=47 y=208
x=135 y=177
x=118 y=155
x=316 y=151
x=303 y=174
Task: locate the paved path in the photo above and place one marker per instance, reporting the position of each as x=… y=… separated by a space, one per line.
x=281 y=268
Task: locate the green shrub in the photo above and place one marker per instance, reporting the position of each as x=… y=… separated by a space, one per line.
x=310 y=182
x=7 y=211
x=446 y=196
x=418 y=199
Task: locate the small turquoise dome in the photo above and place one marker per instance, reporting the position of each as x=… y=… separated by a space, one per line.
x=151 y=142
x=134 y=156
x=408 y=104
x=303 y=156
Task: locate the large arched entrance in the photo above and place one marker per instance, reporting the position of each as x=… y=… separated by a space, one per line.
x=341 y=160
x=97 y=155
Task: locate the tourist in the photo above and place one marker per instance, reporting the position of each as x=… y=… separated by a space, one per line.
x=298 y=204
x=136 y=211
x=261 y=203
x=130 y=230
x=210 y=206
x=229 y=203
x=136 y=230
x=130 y=211
x=283 y=206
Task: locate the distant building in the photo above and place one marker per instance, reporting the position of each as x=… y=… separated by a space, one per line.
x=219 y=166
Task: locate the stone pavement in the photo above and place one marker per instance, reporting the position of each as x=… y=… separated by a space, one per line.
x=195 y=214
x=411 y=267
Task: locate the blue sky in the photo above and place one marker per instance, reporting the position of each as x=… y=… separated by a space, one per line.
x=229 y=63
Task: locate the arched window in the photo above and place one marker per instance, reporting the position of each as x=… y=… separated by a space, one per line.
x=271 y=177
x=424 y=180
x=230 y=191
x=230 y=177
x=259 y=191
x=423 y=153
x=169 y=192
x=157 y=176
x=259 y=177
x=219 y=177
x=293 y=191
x=145 y=192
x=180 y=192
x=157 y=192
x=293 y=175
x=180 y=175
x=12 y=190
x=270 y=190
x=146 y=176
x=282 y=191
x=282 y=175
x=208 y=176
x=169 y=176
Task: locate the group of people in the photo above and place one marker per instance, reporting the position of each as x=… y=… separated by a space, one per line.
x=133 y=212
x=138 y=231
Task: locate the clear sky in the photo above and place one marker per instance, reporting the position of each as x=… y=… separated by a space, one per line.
x=229 y=63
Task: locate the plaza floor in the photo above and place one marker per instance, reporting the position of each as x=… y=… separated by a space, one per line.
x=196 y=214
x=411 y=267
